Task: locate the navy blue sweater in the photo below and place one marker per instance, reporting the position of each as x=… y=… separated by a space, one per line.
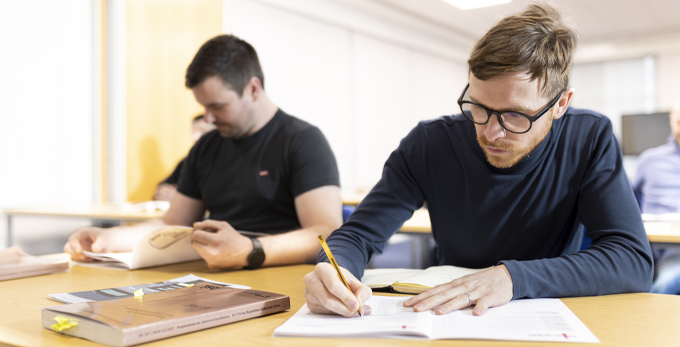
x=529 y=217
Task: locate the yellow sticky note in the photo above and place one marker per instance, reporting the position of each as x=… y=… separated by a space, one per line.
x=64 y=323
x=186 y=285
x=139 y=292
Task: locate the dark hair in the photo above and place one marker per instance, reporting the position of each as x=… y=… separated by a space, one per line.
x=535 y=41
x=197 y=118
x=229 y=57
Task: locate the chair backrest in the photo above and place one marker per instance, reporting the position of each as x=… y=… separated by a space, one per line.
x=346 y=211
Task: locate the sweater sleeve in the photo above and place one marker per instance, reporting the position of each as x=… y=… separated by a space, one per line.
x=619 y=259
x=384 y=210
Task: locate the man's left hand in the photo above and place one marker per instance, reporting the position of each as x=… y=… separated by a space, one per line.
x=488 y=288
x=224 y=248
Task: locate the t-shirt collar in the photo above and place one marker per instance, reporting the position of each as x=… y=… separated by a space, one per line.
x=254 y=137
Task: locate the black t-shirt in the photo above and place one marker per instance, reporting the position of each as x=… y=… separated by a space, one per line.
x=252 y=182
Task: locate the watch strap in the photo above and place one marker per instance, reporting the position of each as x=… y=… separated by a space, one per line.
x=256 y=257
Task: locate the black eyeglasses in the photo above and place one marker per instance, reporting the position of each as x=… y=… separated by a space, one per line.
x=512 y=121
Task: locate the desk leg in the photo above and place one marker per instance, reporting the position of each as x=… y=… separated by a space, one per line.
x=420 y=250
x=105 y=223
x=9 y=231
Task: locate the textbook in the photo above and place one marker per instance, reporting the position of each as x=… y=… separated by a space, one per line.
x=14 y=263
x=150 y=317
x=127 y=292
x=519 y=320
x=164 y=246
x=413 y=281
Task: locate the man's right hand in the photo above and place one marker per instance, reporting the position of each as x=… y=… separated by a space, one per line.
x=326 y=294
x=91 y=239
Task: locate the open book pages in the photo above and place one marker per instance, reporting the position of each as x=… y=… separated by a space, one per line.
x=413 y=281
x=144 y=318
x=129 y=291
x=519 y=320
x=164 y=246
x=15 y=263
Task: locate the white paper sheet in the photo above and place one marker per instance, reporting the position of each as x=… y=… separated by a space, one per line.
x=519 y=320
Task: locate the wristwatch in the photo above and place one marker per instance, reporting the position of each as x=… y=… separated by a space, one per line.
x=256 y=257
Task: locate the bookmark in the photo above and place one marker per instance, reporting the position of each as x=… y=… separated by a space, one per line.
x=64 y=323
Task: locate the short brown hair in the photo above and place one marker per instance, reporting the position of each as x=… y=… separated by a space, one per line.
x=229 y=57
x=536 y=42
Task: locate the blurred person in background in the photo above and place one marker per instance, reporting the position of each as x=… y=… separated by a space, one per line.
x=657 y=187
x=167 y=188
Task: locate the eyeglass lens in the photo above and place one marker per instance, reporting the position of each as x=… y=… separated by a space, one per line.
x=511 y=121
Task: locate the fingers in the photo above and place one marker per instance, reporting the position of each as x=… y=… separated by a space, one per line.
x=482 y=305
x=204 y=237
x=81 y=240
x=100 y=245
x=486 y=289
x=361 y=291
x=213 y=225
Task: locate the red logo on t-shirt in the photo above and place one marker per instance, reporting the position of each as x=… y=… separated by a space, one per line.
x=264 y=173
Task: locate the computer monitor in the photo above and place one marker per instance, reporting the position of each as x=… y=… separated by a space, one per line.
x=640 y=132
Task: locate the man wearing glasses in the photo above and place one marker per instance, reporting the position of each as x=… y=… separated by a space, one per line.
x=509 y=183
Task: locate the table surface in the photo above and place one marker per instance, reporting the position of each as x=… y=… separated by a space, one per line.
x=97 y=211
x=639 y=319
x=666 y=232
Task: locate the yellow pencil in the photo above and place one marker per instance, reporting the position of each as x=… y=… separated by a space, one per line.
x=337 y=268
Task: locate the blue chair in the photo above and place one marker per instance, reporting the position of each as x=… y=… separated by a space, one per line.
x=346 y=211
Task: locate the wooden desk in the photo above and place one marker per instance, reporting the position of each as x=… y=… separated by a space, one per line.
x=97 y=213
x=663 y=232
x=617 y=320
x=353 y=197
x=657 y=232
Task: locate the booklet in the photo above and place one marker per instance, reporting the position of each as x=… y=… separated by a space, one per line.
x=15 y=263
x=164 y=246
x=150 y=317
x=127 y=292
x=518 y=320
x=413 y=281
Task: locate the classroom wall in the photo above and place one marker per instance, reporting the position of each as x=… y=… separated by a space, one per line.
x=363 y=88
x=669 y=80
x=162 y=37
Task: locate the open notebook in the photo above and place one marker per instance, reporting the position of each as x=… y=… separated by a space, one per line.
x=413 y=281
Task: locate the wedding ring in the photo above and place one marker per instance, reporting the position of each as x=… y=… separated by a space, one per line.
x=469 y=299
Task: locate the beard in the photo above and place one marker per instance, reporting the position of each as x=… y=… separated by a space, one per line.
x=514 y=151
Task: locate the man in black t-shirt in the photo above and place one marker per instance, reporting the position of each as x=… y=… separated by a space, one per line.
x=262 y=171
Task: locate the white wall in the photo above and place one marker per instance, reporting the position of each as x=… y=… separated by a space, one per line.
x=669 y=81
x=46 y=127
x=363 y=89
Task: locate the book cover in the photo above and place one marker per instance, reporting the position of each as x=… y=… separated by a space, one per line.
x=14 y=263
x=140 y=319
x=128 y=291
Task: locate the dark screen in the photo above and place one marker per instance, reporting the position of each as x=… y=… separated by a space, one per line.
x=644 y=131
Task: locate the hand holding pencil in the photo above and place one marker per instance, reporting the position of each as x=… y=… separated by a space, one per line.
x=332 y=289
